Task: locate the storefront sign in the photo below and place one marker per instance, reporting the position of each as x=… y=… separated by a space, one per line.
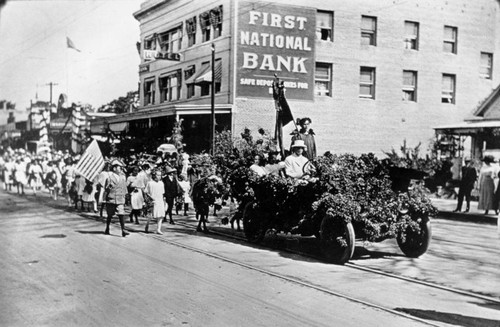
x=275 y=39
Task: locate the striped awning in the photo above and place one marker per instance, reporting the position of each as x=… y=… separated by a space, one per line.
x=205 y=75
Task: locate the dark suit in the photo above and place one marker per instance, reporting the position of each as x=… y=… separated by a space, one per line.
x=171 y=192
x=469 y=176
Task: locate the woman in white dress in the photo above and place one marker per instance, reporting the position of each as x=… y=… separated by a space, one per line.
x=186 y=190
x=35 y=174
x=487 y=174
x=20 y=175
x=136 y=197
x=155 y=189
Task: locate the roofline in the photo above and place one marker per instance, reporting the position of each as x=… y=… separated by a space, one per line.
x=484 y=105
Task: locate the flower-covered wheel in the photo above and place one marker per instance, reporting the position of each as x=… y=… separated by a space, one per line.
x=414 y=243
x=252 y=223
x=337 y=240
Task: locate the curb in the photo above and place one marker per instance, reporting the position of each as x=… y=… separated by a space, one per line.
x=468 y=217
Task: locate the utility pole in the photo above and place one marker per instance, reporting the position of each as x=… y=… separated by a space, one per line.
x=51 y=84
x=212 y=102
x=47 y=114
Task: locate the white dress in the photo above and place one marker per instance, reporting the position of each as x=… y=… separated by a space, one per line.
x=186 y=188
x=156 y=191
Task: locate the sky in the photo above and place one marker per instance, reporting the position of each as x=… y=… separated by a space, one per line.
x=34 y=53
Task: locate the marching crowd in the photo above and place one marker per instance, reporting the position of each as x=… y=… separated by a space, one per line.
x=150 y=185
x=139 y=183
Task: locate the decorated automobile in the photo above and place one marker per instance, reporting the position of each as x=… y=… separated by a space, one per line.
x=348 y=198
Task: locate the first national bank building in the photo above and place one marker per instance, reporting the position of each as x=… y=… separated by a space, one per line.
x=370 y=74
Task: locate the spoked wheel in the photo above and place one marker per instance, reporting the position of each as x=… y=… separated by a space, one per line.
x=415 y=243
x=337 y=240
x=252 y=224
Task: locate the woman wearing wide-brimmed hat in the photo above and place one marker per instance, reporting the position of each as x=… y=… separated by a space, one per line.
x=487 y=174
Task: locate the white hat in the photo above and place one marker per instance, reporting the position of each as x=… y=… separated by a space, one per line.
x=117 y=162
x=299 y=144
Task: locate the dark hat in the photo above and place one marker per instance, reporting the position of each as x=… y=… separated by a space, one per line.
x=488 y=159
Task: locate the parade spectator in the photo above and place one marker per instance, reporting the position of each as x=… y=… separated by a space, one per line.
x=469 y=176
x=258 y=166
x=296 y=163
x=487 y=174
x=116 y=188
x=155 y=189
x=171 y=192
x=186 y=192
x=306 y=134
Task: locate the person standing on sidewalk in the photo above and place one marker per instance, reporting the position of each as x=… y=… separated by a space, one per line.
x=469 y=176
x=116 y=188
x=487 y=174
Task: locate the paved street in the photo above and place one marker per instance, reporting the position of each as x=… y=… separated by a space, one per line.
x=59 y=269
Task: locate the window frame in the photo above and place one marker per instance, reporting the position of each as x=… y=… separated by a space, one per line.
x=450 y=95
x=327 y=81
x=169 y=43
x=371 y=33
x=149 y=92
x=410 y=90
x=371 y=84
x=321 y=29
x=413 y=39
x=488 y=67
x=453 y=41
x=168 y=91
x=191 y=27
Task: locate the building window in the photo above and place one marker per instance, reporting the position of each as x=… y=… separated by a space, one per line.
x=191 y=31
x=170 y=41
x=149 y=43
x=368 y=30
x=450 y=39
x=324 y=25
x=411 y=35
x=367 y=83
x=170 y=87
x=486 y=68
x=205 y=82
x=409 y=85
x=189 y=76
x=149 y=92
x=448 y=89
x=323 y=79
x=211 y=23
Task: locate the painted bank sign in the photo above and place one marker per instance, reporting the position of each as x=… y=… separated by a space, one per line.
x=275 y=39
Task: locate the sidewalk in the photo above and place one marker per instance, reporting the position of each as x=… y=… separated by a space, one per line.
x=446 y=207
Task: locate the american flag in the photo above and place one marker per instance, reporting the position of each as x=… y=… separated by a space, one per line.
x=91 y=163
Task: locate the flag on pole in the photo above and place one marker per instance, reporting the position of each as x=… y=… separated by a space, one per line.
x=71 y=45
x=91 y=163
x=283 y=112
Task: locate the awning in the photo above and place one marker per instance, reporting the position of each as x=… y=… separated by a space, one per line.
x=468 y=127
x=118 y=127
x=205 y=76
